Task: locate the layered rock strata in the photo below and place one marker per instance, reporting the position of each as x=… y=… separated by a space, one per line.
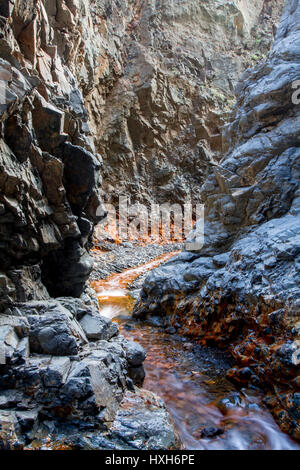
x=160 y=124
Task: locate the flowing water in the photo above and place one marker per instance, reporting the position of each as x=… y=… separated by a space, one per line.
x=208 y=411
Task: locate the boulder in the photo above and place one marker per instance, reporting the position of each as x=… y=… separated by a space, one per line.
x=143 y=422
x=53 y=330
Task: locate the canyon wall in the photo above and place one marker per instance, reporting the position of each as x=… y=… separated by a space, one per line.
x=241 y=290
x=49 y=172
x=131 y=92
x=68 y=379
x=121 y=86
x=160 y=125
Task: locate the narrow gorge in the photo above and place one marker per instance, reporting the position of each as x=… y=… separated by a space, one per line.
x=122 y=338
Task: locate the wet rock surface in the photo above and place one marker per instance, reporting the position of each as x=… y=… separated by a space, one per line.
x=241 y=290
x=61 y=378
x=209 y=410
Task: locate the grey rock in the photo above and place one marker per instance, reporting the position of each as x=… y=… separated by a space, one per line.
x=10 y=340
x=76 y=388
x=135 y=353
x=20 y=324
x=91 y=380
x=98 y=328
x=77 y=307
x=55 y=334
x=141 y=428
x=57 y=372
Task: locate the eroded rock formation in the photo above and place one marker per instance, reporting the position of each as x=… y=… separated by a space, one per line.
x=160 y=124
x=64 y=370
x=65 y=382
x=127 y=80
x=241 y=291
x=49 y=172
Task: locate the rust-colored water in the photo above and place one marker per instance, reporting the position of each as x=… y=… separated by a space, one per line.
x=191 y=379
x=112 y=292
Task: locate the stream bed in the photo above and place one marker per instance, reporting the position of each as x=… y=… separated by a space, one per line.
x=209 y=412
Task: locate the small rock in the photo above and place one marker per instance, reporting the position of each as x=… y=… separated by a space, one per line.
x=137 y=374
x=98 y=328
x=208 y=433
x=135 y=353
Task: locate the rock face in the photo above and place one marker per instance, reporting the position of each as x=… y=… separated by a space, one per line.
x=127 y=81
x=161 y=121
x=64 y=370
x=241 y=291
x=49 y=170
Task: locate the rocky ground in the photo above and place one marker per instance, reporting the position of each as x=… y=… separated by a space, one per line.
x=67 y=381
x=110 y=258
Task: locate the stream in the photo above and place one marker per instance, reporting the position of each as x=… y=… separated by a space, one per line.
x=209 y=412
